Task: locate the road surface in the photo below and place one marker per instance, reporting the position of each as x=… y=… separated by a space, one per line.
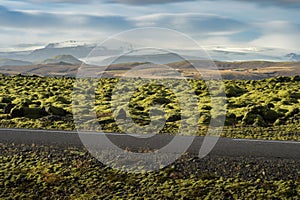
x=224 y=146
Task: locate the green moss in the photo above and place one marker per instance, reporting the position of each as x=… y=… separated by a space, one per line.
x=262 y=103
x=31 y=172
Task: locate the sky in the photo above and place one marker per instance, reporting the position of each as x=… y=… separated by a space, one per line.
x=265 y=23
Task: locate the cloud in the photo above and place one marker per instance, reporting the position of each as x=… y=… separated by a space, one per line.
x=195 y=25
x=130 y=2
x=203 y=24
x=279 y=3
x=45 y=20
x=279 y=34
x=289 y=4
x=145 y=2
x=60 y=1
x=19 y=20
x=30 y=27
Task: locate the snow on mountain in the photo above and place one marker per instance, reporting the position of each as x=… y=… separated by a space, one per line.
x=82 y=50
x=70 y=43
x=77 y=49
x=244 y=53
x=237 y=49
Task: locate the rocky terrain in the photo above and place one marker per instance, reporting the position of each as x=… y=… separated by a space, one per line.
x=32 y=171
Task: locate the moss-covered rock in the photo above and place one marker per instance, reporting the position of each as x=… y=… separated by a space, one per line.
x=206 y=107
x=270 y=115
x=230 y=119
x=174 y=117
x=56 y=111
x=22 y=101
x=3 y=105
x=260 y=115
x=293 y=112
x=259 y=121
x=8 y=108
x=234 y=91
x=63 y=100
x=296 y=78
x=162 y=100
x=205 y=118
x=17 y=111
x=279 y=122
x=258 y=109
x=34 y=113
x=6 y=99
x=4 y=116
x=249 y=118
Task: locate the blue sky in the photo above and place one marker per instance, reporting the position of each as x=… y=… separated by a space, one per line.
x=268 y=23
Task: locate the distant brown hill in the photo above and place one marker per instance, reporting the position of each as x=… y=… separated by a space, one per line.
x=63 y=59
x=240 y=70
x=228 y=70
x=57 y=69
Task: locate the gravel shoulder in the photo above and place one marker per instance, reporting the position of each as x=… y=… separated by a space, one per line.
x=68 y=171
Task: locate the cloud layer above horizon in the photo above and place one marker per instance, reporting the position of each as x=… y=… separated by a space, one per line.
x=210 y=22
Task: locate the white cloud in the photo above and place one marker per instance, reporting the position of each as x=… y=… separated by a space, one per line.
x=226 y=23
x=21 y=20
x=279 y=34
x=192 y=23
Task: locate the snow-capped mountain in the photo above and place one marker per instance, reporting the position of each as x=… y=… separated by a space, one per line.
x=70 y=43
x=241 y=53
x=52 y=50
x=102 y=54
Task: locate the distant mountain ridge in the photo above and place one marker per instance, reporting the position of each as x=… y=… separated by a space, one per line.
x=12 y=62
x=250 y=70
x=163 y=58
x=293 y=56
x=63 y=59
x=48 y=52
x=82 y=50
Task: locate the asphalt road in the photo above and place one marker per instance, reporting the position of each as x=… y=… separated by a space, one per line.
x=223 y=147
